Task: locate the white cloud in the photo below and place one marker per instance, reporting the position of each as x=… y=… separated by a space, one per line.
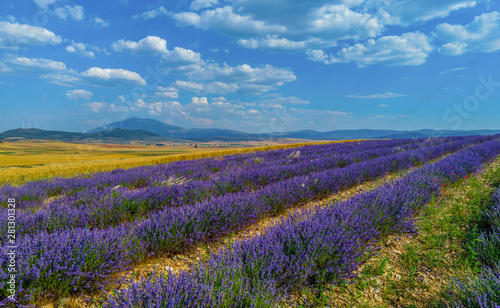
x=44 y=3
x=241 y=79
x=81 y=48
x=383 y=105
x=226 y=21
x=101 y=22
x=76 y=12
x=94 y=76
x=481 y=35
x=407 y=12
x=408 y=49
x=280 y=100
x=221 y=87
x=267 y=75
x=188 y=85
x=111 y=77
x=150 y=45
x=167 y=94
x=167 y=89
x=22 y=65
x=79 y=94
x=208 y=77
x=376 y=96
x=389 y=117
x=182 y=61
x=15 y=35
x=453 y=49
x=199 y=101
x=273 y=42
x=153 y=108
x=95 y=106
x=298 y=26
x=152 y=14
x=454 y=70
x=202 y=4
x=317 y=55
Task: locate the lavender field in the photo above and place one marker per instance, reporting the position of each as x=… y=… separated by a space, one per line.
x=74 y=235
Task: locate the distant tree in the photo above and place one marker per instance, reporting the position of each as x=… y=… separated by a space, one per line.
x=195 y=145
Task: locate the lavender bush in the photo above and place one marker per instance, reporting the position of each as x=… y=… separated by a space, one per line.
x=67 y=261
x=306 y=249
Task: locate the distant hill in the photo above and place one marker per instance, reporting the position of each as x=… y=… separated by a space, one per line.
x=135 y=123
x=171 y=131
x=109 y=136
x=156 y=131
x=381 y=134
x=34 y=133
x=211 y=134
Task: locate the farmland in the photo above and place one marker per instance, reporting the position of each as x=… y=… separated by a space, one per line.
x=78 y=236
x=23 y=161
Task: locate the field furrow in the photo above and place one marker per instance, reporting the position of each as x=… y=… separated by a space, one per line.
x=308 y=248
x=54 y=263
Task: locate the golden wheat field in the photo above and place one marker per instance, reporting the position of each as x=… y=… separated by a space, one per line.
x=23 y=161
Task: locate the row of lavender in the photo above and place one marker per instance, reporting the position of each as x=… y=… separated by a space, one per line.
x=98 y=208
x=156 y=175
x=33 y=194
x=308 y=249
x=70 y=261
x=484 y=291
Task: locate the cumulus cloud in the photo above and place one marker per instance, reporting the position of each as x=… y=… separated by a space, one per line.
x=278 y=99
x=15 y=35
x=376 y=96
x=101 y=22
x=188 y=85
x=153 y=108
x=218 y=87
x=150 y=45
x=481 y=35
x=76 y=12
x=202 y=4
x=79 y=94
x=167 y=89
x=407 y=12
x=242 y=79
x=273 y=42
x=167 y=94
x=95 y=76
x=23 y=65
x=226 y=21
x=95 y=106
x=81 y=48
x=298 y=26
x=44 y=3
x=453 y=49
x=408 y=49
x=207 y=76
x=199 y=101
x=111 y=77
x=152 y=14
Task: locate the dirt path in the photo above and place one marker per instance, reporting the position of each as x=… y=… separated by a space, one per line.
x=413 y=270
x=185 y=261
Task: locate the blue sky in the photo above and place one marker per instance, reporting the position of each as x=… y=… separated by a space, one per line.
x=251 y=65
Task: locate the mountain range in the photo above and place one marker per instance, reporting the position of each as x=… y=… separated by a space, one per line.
x=206 y=134
x=156 y=131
